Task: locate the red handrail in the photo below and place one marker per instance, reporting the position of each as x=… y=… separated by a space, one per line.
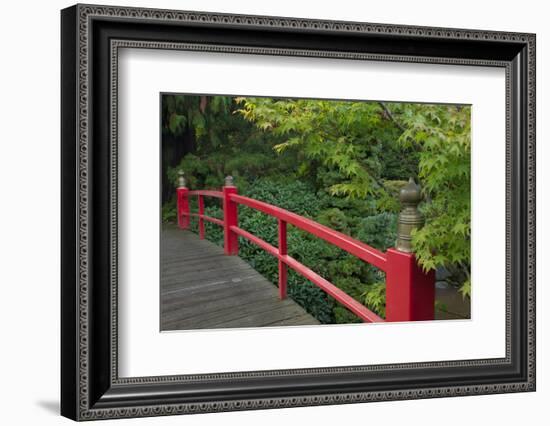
x=207 y=193
x=336 y=238
x=357 y=248
x=343 y=241
x=185 y=213
x=409 y=290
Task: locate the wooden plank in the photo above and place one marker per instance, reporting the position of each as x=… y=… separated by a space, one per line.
x=202 y=288
x=259 y=301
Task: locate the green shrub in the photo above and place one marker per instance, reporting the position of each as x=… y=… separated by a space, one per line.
x=378 y=231
x=170 y=211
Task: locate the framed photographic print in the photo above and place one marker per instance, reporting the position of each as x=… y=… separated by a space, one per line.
x=263 y=212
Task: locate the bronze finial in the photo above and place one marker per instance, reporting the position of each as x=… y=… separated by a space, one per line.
x=409 y=218
x=181 y=179
x=229 y=181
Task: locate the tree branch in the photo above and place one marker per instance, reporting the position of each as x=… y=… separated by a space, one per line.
x=390 y=116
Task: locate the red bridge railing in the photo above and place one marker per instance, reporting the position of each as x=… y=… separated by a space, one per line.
x=410 y=292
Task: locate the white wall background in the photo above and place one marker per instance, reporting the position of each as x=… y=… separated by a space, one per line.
x=30 y=228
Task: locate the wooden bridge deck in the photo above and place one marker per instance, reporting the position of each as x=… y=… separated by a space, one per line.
x=202 y=288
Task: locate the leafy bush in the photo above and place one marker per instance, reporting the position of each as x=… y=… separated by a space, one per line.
x=299 y=198
x=170 y=211
x=364 y=144
x=441 y=133
x=379 y=231
x=375 y=298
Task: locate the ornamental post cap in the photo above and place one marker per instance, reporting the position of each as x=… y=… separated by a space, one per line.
x=229 y=181
x=409 y=218
x=181 y=179
x=410 y=193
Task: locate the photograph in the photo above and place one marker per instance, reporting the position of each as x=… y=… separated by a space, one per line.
x=268 y=210
x=305 y=212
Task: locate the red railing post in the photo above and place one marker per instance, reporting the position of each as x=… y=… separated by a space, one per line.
x=230 y=218
x=282 y=265
x=182 y=193
x=410 y=292
x=201 y=218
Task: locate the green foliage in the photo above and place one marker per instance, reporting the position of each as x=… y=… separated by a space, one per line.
x=341 y=164
x=440 y=306
x=398 y=162
x=375 y=297
x=170 y=211
x=441 y=133
x=312 y=298
x=366 y=142
x=204 y=115
x=466 y=288
x=299 y=198
x=192 y=166
x=336 y=219
x=389 y=199
x=379 y=230
x=349 y=137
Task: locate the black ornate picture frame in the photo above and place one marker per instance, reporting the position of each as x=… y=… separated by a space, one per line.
x=91 y=387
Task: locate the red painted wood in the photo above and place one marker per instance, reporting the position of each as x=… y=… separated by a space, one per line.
x=347 y=301
x=274 y=251
x=282 y=265
x=214 y=220
x=345 y=242
x=208 y=218
x=230 y=218
x=201 y=217
x=182 y=194
x=410 y=292
x=207 y=193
